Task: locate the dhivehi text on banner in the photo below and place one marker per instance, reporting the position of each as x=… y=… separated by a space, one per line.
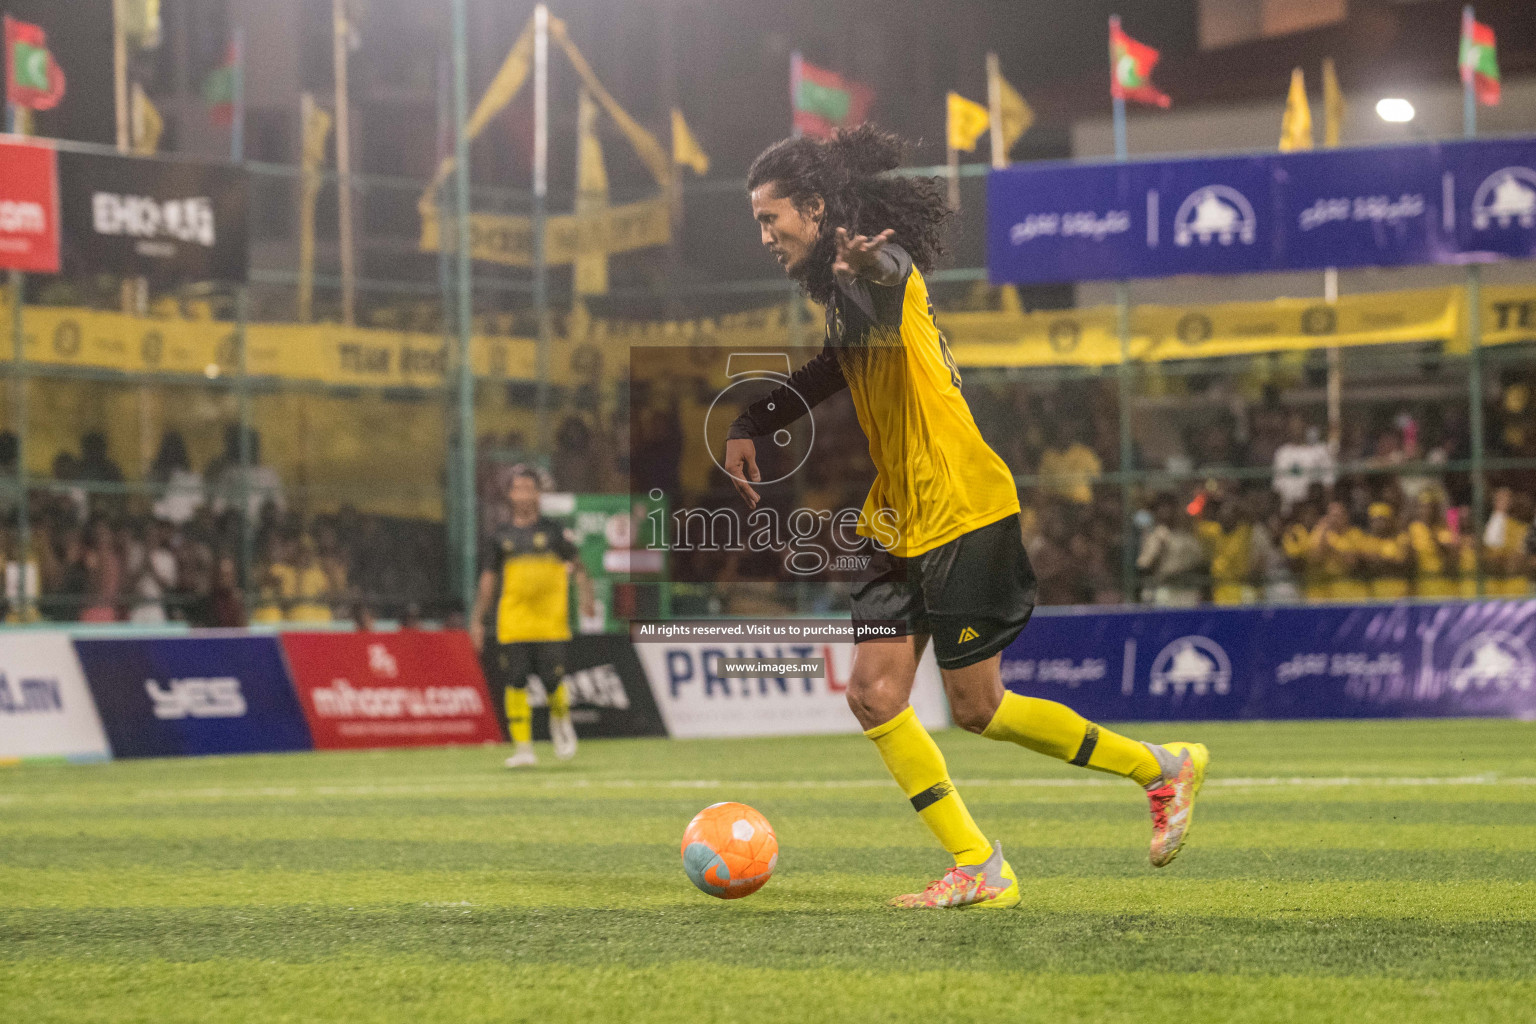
x=1329 y=661
x=1448 y=203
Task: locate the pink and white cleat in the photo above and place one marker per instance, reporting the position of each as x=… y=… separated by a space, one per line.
x=1173 y=800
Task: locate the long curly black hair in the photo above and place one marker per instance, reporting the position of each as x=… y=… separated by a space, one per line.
x=848 y=173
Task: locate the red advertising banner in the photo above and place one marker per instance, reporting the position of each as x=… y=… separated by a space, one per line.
x=406 y=689
x=29 y=208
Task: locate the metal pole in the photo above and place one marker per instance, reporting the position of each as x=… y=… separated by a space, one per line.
x=19 y=384
x=242 y=318
x=1127 y=447
x=1474 y=343
x=1335 y=371
x=339 y=32
x=1124 y=381
x=243 y=399
x=540 y=194
x=466 y=382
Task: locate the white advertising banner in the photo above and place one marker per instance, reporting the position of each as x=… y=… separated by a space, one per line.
x=46 y=710
x=697 y=702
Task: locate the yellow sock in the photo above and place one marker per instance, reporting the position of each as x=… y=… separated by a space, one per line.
x=918 y=767
x=519 y=718
x=1058 y=731
x=560 y=702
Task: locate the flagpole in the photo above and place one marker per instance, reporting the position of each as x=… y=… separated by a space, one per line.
x=120 y=74
x=540 y=195
x=1123 y=333
x=343 y=161
x=1474 y=330
x=237 y=100
x=307 y=185
x=995 y=110
x=952 y=165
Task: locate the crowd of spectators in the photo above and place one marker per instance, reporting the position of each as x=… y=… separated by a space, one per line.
x=1265 y=509
x=169 y=548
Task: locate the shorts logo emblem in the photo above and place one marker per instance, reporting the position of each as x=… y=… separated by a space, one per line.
x=966 y=634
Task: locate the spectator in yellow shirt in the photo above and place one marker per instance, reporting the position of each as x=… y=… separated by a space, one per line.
x=1433 y=548
x=1296 y=542
x=1069 y=467
x=1387 y=555
x=1335 y=550
x=1228 y=541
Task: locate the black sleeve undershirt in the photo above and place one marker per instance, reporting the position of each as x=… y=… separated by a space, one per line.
x=816 y=381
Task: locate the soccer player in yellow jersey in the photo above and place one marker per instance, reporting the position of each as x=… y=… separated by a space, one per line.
x=954 y=569
x=524 y=580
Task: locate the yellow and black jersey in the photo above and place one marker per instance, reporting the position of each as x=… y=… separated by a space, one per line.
x=936 y=477
x=532 y=581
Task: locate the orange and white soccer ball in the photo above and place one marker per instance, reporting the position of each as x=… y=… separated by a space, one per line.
x=729 y=850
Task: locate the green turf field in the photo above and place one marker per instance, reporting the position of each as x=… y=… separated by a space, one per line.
x=1338 y=871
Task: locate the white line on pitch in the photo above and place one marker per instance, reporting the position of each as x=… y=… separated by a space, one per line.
x=511 y=787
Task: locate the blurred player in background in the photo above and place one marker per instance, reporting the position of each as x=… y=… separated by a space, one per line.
x=860 y=240
x=526 y=568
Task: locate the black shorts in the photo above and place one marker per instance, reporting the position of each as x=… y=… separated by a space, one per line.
x=972 y=595
x=514 y=663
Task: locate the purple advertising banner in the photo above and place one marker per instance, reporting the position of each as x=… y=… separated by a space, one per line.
x=1338 y=661
x=1451 y=202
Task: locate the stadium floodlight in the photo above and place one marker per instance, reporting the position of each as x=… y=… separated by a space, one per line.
x=1394 y=109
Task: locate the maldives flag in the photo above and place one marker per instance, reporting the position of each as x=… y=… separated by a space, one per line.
x=1479 y=61
x=824 y=100
x=1130 y=68
x=33 y=78
x=219 y=88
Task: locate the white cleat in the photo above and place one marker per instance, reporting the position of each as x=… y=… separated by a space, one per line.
x=563 y=733
x=523 y=757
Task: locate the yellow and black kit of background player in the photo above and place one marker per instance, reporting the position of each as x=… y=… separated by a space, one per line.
x=531 y=613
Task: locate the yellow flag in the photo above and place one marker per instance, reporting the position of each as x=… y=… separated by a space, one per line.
x=1296 y=126
x=1333 y=105
x=1014 y=113
x=685 y=148
x=146 y=122
x=591 y=264
x=967 y=120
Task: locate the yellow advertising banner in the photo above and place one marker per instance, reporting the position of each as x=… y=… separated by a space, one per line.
x=506 y=239
x=1088 y=337
x=1509 y=314
x=68 y=337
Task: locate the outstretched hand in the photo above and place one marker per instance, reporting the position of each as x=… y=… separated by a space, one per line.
x=741 y=466
x=859 y=255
